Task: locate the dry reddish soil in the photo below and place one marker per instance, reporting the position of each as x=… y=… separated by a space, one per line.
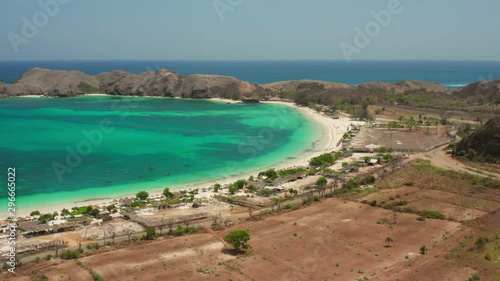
x=421 y=139
x=332 y=240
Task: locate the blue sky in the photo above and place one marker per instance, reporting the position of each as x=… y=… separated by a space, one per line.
x=249 y=29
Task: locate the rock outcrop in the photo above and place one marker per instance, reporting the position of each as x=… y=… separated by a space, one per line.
x=57 y=83
x=162 y=83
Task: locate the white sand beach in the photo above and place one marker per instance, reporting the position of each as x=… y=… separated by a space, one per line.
x=332 y=131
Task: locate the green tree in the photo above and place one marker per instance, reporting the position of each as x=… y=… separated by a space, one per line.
x=389 y=241
x=65 y=212
x=35 y=213
x=150 y=234
x=216 y=187
x=94 y=213
x=321 y=182
x=238 y=239
x=423 y=250
x=142 y=195
x=270 y=174
x=167 y=193
x=233 y=189
x=240 y=183
x=44 y=218
x=363 y=112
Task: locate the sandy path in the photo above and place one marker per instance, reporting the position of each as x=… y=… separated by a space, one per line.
x=440 y=159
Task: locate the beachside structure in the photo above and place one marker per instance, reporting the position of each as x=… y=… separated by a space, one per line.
x=274 y=188
x=4 y=226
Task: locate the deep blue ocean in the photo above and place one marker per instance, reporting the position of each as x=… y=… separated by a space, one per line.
x=452 y=74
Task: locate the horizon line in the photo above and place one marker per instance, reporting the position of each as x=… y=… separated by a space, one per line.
x=262 y=60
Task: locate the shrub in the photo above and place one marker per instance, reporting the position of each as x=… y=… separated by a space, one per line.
x=388 y=157
x=136 y=204
x=293 y=206
x=142 y=195
x=433 y=214
x=474 y=277
x=167 y=193
x=93 y=246
x=150 y=234
x=240 y=183
x=481 y=243
x=368 y=180
x=423 y=250
x=351 y=183
x=252 y=188
x=216 y=187
x=233 y=189
x=97 y=277
x=69 y=254
x=179 y=231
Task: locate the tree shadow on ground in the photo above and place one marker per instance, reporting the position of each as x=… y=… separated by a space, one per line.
x=231 y=252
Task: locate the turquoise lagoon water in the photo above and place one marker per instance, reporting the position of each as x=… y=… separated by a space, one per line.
x=74 y=149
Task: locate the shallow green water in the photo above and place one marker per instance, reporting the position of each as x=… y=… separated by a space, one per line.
x=66 y=150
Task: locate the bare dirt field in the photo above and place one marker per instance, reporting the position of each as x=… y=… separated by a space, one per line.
x=400 y=139
x=332 y=240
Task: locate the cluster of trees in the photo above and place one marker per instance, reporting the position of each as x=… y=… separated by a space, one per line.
x=326 y=159
x=269 y=174
x=85 y=210
x=44 y=218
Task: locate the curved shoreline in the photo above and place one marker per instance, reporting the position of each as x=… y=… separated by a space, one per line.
x=331 y=132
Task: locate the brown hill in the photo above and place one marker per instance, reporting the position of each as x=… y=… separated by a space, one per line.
x=483 y=144
x=164 y=83
x=484 y=91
